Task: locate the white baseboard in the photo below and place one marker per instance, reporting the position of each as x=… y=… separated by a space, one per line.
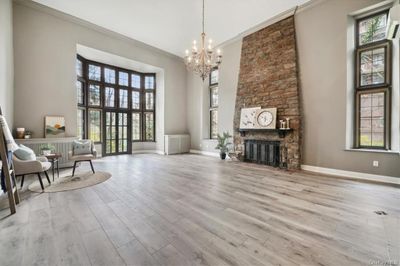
x=148 y=151
x=351 y=174
x=207 y=153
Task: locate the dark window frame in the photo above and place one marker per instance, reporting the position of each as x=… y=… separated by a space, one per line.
x=129 y=110
x=384 y=87
x=213 y=108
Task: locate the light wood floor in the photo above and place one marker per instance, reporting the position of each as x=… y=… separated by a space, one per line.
x=197 y=210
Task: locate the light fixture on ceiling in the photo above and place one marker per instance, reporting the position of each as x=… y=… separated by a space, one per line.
x=202 y=61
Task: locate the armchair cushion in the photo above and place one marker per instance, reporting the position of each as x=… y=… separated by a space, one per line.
x=83 y=157
x=29 y=167
x=80 y=147
x=24 y=153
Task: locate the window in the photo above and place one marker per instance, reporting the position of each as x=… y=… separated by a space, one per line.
x=214 y=103
x=79 y=68
x=149 y=101
x=136 y=126
x=109 y=75
x=149 y=126
x=94 y=72
x=123 y=98
x=80 y=92
x=81 y=123
x=214 y=77
x=136 y=100
x=115 y=105
x=94 y=125
x=136 y=81
x=373 y=83
x=109 y=95
x=149 y=83
x=94 y=95
x=123 y=79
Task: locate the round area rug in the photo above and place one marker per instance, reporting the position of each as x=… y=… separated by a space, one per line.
x=64 y=183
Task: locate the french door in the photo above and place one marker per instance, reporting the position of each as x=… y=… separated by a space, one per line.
x=117 y=139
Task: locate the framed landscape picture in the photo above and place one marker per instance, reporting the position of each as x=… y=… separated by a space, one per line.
x=54 y=127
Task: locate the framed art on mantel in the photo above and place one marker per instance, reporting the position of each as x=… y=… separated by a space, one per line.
x=265 y=118
x=54 y=127
x=247 y=117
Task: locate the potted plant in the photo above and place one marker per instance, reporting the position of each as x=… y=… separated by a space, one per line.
x=46 y=149
x=223 y=144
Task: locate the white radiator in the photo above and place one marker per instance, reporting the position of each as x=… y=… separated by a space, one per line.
x=174 y=144
x=62 y=146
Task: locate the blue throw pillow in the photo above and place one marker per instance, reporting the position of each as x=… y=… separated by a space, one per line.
x=81 y=147
x=25 y=154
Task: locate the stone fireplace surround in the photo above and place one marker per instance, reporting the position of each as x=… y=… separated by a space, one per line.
x=268 y=78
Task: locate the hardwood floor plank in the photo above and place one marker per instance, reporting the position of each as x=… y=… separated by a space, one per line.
x=100 y=249
x=133 y=253
x=115 y=229
x=143 y=232
x=169 y=256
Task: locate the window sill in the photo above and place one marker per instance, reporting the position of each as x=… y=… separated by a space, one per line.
x=375 y=151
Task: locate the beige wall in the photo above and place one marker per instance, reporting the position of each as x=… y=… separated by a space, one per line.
x=322 y=46
x=6 y=60
x=44 y=52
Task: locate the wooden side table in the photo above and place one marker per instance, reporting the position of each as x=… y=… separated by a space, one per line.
x=54 y=158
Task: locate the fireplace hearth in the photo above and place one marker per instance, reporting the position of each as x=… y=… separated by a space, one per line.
x=263 y=152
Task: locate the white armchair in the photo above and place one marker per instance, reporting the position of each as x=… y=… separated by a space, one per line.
x=85 y=157
x=38 y=166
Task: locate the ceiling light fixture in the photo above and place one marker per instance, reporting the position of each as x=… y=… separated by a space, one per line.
x=202 y=61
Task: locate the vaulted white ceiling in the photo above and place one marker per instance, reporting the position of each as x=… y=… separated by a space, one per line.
x=172 y=25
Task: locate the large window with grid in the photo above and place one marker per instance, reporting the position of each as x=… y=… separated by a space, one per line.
x=116 y=106
x=214 y=97
x=373 y=69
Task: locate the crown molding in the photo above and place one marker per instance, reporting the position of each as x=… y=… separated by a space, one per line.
x=277 y=18
x=72 y=19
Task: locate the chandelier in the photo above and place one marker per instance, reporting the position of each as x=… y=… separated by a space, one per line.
x=202 y=61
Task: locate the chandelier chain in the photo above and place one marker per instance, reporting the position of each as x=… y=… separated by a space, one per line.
x=203 y=17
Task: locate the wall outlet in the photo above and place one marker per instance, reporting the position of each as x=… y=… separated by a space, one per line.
x=375 y=163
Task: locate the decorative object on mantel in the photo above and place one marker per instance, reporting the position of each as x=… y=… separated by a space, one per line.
x=248 y=117
x=204 y=60
x=284 y=125
x=266 y=118
x=54 y=127
x=287 y=123
x=28 y=134
x=20 y=132
x=223 y=144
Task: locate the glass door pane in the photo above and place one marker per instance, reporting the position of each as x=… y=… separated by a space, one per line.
x=111 y=133
x=122 y=132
